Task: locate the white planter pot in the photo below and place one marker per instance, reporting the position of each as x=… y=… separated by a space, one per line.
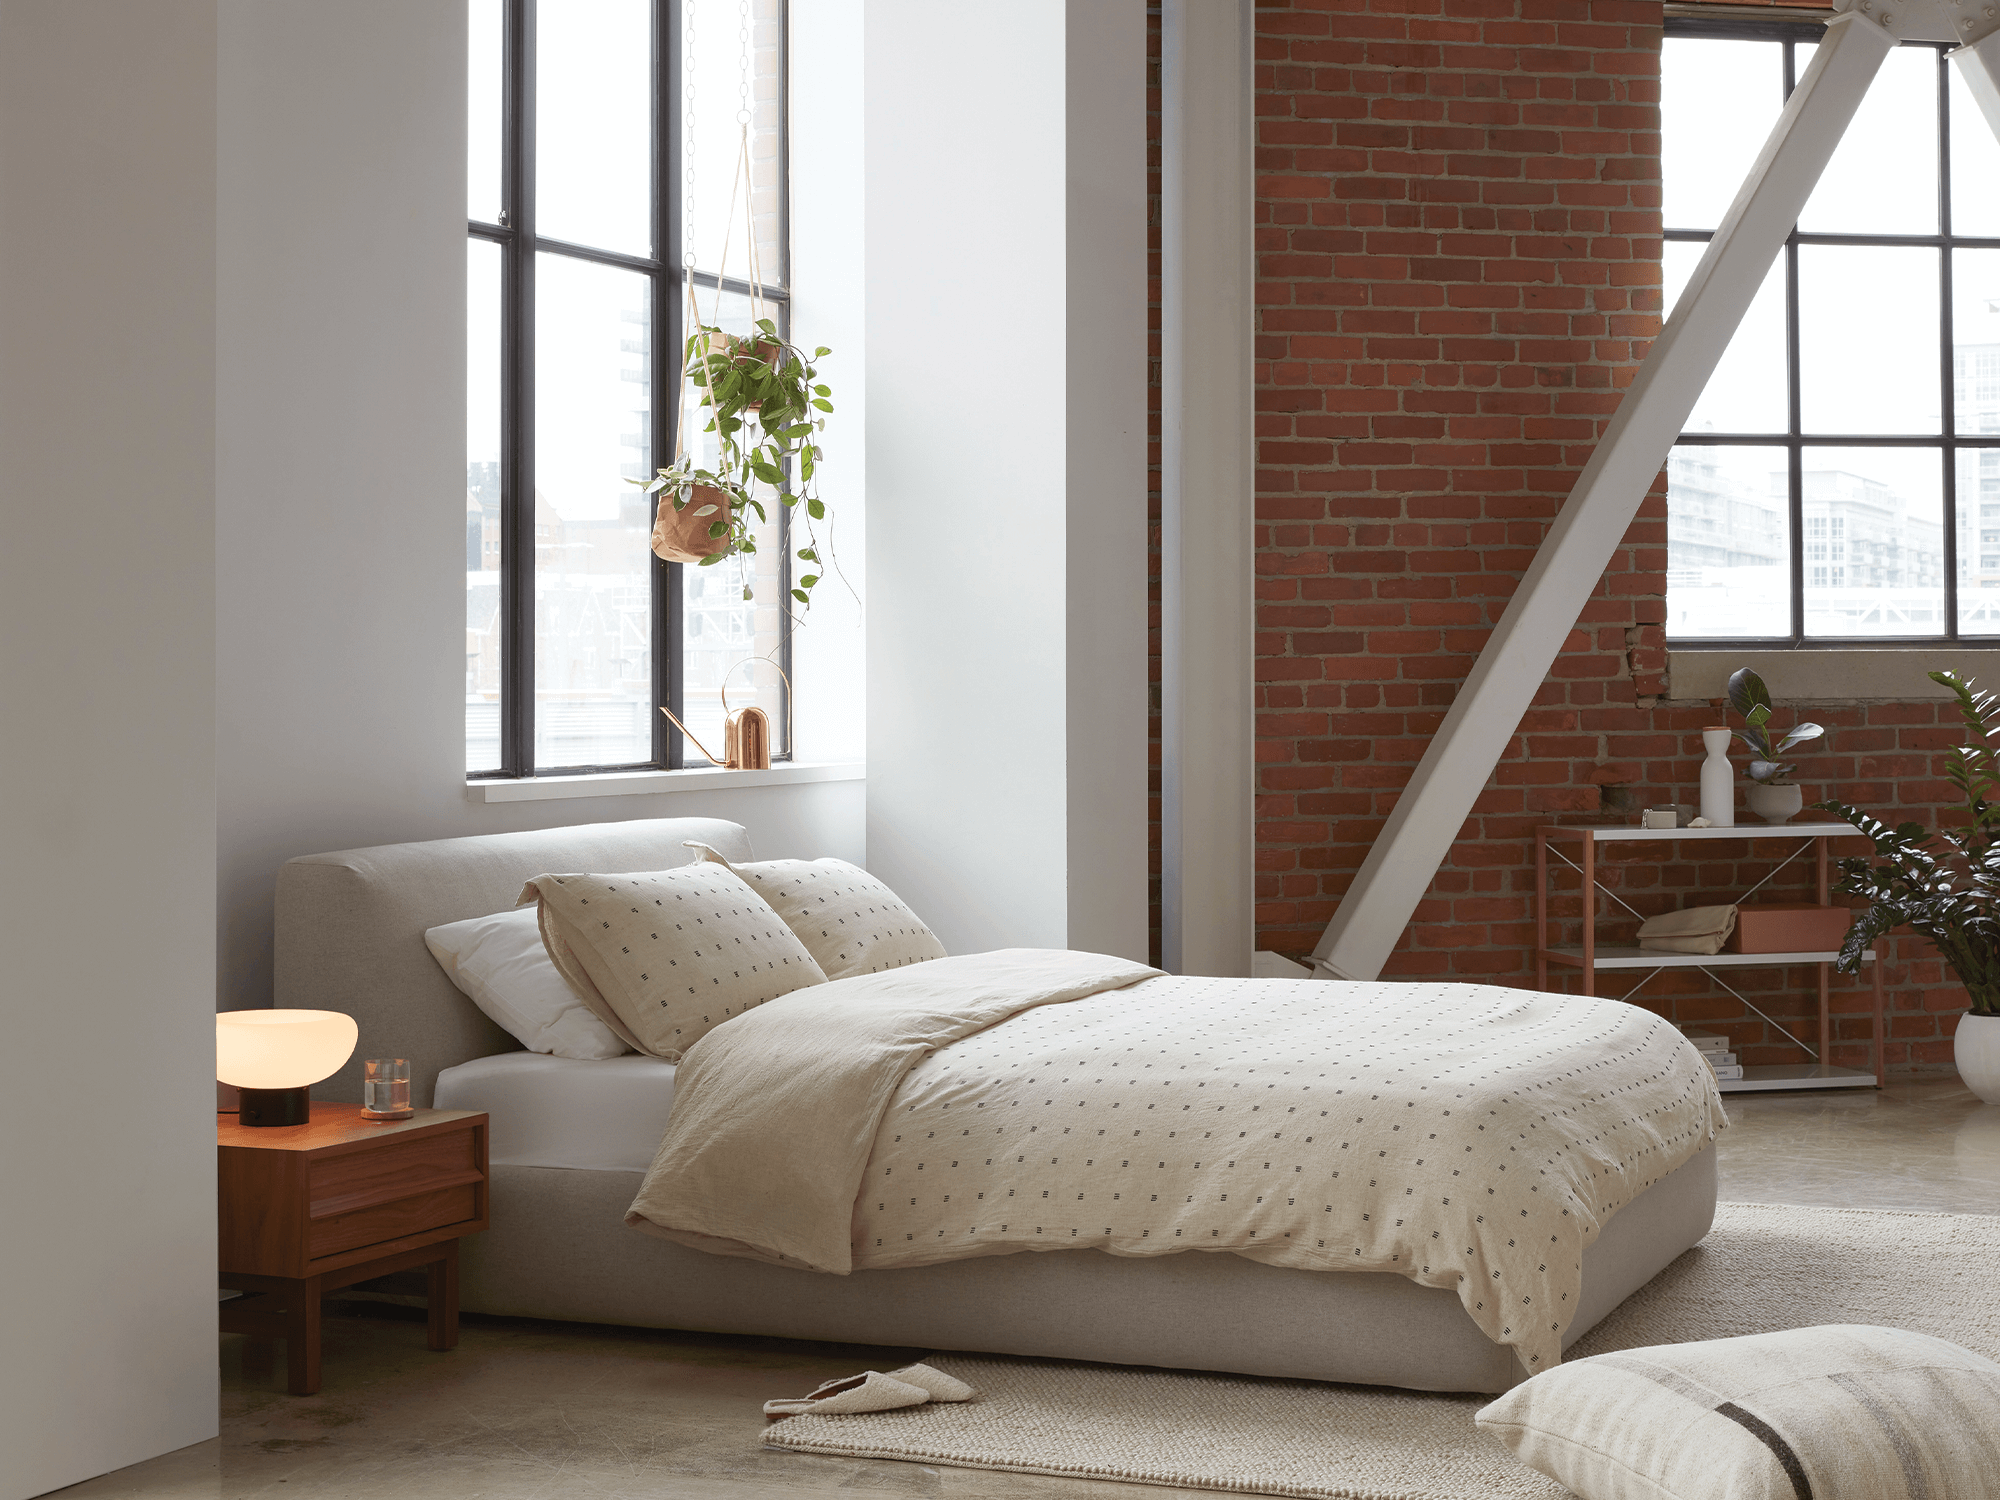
x=1976 y=1050
x=1774 y=804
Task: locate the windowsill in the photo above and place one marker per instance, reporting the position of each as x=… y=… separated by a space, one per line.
x=1841 y=674
x=656 y=783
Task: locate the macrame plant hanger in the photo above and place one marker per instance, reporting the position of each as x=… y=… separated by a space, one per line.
x=746 y=734
x=681 y=532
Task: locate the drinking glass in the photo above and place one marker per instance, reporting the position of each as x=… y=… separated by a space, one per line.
x=385 y=1089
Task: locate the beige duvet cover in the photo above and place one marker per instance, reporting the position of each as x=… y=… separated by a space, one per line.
x=1464 y=1136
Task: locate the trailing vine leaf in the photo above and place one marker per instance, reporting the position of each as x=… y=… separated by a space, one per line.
x=764 y=400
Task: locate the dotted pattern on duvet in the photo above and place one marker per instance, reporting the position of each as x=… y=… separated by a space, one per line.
x=1465 y=1136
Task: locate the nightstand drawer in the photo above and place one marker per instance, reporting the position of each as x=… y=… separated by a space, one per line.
x=337 y=1185
x=388 y=1221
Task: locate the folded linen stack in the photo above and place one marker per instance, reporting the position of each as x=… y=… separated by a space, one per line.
x=1715 y=1052
x=1693 y=929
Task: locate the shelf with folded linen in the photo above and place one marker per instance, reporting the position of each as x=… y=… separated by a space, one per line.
x=1616 y=956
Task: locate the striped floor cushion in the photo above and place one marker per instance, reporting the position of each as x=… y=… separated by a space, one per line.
x=1812 y=1414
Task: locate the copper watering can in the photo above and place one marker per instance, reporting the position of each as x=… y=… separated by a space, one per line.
x=746 y=734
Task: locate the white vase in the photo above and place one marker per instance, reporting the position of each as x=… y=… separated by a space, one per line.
x=1774 y=804
x=1976 y=1051
x=1718 y=780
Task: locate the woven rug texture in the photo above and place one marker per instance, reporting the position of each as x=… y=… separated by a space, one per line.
x=1763 y=1268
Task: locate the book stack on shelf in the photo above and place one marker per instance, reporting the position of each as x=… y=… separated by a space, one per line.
x=1715 y=1052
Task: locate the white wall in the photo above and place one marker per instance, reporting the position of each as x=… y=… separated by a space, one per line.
x=341 y=469
x=1006 y=348
x=828 y=300
x=107 y=362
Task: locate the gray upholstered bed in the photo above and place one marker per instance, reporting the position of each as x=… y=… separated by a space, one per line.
x=350 y=937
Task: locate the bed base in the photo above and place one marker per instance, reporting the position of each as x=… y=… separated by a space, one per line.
x=558 y=1248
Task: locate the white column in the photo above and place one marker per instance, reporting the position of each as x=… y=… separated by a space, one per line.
x=107 y=737
x=1594 y=520
x=1006 y=529
x=1207 y=484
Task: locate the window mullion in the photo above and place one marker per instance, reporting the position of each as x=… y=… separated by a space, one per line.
x=1947 y=382
x=667 y=336
x=517 y=547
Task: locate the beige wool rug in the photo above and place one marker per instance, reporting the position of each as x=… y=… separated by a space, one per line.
x=1763 y=1268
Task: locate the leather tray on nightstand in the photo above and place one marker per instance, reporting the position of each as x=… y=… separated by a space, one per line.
x=307 y=1209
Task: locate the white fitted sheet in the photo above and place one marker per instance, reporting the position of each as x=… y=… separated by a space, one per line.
x=602 y=1115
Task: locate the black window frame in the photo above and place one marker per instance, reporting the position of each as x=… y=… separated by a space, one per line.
x=1948 y=442
x=520 y=244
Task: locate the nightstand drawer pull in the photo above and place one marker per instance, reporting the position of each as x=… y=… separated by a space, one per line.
x=388 y=1221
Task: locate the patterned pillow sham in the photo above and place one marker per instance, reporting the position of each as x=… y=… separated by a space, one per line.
x=849 y=921
x=664 y=958
x=1840 y=1410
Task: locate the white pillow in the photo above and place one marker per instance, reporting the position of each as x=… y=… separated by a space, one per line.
x=1844 y=1410
x=849 y=921
x=670 y=955
x=500 y=962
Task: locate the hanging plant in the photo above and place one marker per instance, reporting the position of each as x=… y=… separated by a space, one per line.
x=764 y=402
x=766 y=405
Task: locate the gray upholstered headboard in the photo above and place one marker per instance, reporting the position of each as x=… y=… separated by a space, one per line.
x=350 y=929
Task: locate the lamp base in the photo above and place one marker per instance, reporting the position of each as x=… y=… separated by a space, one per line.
x=275 y=1106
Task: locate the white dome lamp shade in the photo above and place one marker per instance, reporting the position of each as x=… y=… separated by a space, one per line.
x=275 y=1057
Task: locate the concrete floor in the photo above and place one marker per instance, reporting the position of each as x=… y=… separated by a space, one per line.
x=535 y=1411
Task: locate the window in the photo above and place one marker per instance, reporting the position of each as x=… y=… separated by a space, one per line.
x=1839 y=480
x=603 y=149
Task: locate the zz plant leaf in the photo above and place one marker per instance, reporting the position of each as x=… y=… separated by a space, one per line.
x=1942 y=885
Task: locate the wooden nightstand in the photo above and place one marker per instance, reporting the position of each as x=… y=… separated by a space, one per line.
x=308 y=1209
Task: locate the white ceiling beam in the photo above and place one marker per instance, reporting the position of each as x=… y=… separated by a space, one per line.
x=1593 y=522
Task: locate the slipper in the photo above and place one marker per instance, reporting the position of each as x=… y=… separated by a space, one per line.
x=869 y=1391
x=942 y=1387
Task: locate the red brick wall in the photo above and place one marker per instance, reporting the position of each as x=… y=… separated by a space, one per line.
x=1459 y=238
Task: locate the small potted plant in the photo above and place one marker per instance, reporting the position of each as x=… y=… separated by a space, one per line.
x=1771 y=794
x=766 y=405
x=1943 y=886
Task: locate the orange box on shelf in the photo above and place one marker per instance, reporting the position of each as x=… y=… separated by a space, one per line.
x=1789 y=927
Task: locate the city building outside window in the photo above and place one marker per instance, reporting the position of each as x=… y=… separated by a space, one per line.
x=1839 y=480
x=603 y=192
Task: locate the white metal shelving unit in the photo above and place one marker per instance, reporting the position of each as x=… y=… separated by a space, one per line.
x=1592 y=957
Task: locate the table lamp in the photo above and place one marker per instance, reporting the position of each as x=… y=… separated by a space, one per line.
x=275 y=1057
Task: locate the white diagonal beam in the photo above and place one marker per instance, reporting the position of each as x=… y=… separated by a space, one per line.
x=1977 y=24
x=1599 y=511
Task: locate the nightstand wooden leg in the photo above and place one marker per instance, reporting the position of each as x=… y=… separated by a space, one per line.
x=302 y=1339
x=441 y=1277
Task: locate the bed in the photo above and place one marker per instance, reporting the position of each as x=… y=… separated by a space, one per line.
x=572 y=1141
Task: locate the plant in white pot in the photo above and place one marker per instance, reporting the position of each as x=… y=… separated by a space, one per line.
x=1772 y=795
x=1943 y=886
